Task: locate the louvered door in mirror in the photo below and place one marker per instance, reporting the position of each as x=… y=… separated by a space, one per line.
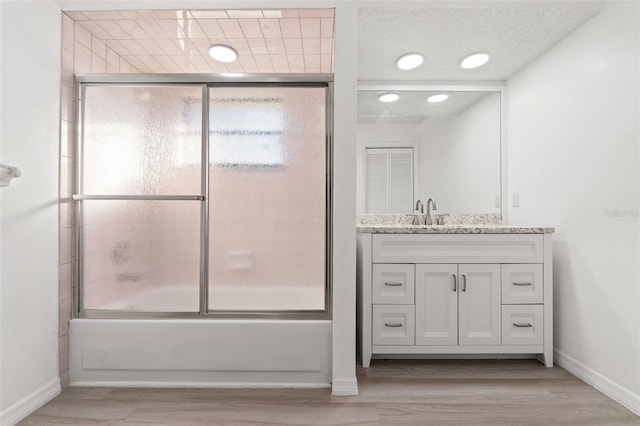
x=389 y=180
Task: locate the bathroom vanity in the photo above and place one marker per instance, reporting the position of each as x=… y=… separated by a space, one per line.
x=451 y=290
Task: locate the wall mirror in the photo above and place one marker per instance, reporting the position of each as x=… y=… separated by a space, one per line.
x=421 y=144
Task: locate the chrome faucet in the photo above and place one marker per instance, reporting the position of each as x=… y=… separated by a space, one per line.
x=416 y=218
x=430 y=202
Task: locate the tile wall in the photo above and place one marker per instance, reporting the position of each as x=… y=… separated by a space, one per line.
x=82 y=52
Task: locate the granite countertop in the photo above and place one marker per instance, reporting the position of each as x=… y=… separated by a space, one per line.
x=452 y=229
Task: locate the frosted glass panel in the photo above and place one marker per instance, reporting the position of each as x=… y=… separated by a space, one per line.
x=142 y=140
x=267 y=199
x=141 y=255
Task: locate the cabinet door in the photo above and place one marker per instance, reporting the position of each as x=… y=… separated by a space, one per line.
x=479 y=305
x=436 y=304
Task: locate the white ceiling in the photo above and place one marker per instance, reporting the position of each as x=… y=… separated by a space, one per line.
x=412 y=107
x=512 y=35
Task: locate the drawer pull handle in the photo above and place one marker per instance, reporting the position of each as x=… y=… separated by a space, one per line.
x=393 y=324
x=464 y=282
x=393 y=284
x=517 y=324
x=455 y=282
x=522 y=284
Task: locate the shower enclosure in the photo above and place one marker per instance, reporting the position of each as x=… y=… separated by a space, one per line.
x=197 y=196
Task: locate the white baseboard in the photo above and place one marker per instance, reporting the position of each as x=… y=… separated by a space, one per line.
x=613 y=390
x=214 y=385
x=30 y=403
x=344 y=387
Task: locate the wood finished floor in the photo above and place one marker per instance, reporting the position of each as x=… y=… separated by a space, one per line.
x=402 y=392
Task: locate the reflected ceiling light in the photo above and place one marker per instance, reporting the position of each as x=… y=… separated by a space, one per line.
x=440 y=97
x=474 y=61
x=389 y=97
x=223 y=53
x=409 y=61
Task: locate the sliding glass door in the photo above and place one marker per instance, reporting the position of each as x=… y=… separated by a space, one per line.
x=199 y=199
x=267 y=205
x=139 y=200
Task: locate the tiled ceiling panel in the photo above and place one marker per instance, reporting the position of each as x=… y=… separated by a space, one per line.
x=177 y=41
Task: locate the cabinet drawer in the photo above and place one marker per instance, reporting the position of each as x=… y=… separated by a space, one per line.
x=522 y=284
x=522 y=325
x=457 y=248
x=393 y=325
x=393 y=284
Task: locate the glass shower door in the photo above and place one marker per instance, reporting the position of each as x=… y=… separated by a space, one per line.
x=140 y=195
x=176 y=220
x=267 y=198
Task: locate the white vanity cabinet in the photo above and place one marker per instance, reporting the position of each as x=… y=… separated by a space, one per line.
x=454 y=294
x=458 y=304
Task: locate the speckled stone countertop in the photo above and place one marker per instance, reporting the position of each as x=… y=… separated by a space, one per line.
x=408 y=218
x=452 y=229
x=399 y=223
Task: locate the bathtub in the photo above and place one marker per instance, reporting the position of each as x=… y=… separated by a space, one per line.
x=202 y=352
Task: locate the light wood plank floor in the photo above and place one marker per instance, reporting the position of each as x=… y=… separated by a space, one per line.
x=392 y=392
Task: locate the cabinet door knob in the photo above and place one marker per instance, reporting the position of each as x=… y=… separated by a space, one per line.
x=517 y=324
x=522 y=284
x=464 y=282
x=455 y=282
x=393 y=324
x=393 y=284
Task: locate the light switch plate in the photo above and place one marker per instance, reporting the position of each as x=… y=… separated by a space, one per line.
x=515 y=199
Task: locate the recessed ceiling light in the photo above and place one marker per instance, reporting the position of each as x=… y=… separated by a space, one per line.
x=474 y=61
x=409 y=61
x=389 y=97
x=223 y=53
x=437 y=98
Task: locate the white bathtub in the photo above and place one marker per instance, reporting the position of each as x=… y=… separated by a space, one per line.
x=200 y=353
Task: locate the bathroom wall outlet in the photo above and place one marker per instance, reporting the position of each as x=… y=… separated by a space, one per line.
x=515 y=199
x=498 y=202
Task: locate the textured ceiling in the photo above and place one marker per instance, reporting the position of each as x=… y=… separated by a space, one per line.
x=513 y=36
x=176 y=41
x=412 y=107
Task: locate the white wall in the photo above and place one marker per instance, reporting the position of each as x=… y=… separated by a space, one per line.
x=30 y=85
x=573 y=120
x=460 y=158
x=344 y=380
